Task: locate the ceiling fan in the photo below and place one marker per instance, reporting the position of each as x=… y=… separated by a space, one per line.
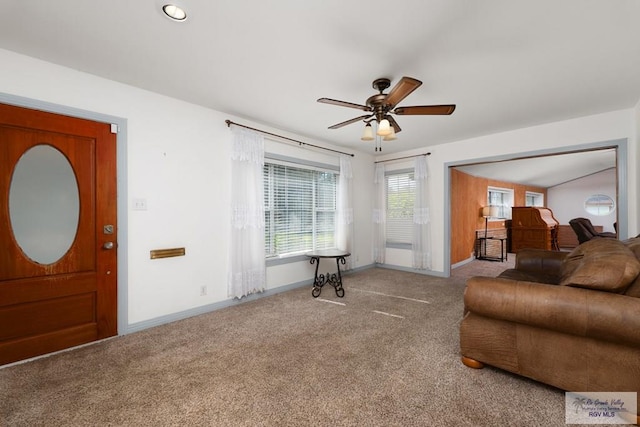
x=382 y=105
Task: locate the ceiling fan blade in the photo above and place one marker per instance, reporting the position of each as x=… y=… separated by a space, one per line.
x=392 y=122
x=425 y=110
x=344 y=104
x=401 y=90
x=348 y=122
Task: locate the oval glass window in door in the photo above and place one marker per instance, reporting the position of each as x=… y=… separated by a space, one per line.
x=44 y=204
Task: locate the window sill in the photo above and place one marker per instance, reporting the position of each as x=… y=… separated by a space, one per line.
x=285 y=260
x=392 y=245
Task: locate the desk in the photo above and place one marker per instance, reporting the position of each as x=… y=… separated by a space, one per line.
x=481 y=248
x=333 y=279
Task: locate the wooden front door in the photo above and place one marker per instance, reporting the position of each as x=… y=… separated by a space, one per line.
x=58 y=230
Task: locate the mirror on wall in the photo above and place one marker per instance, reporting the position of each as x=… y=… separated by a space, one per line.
x=44 y=204
x=599 y=205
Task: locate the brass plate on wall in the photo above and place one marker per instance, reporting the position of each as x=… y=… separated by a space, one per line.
x=167 y=253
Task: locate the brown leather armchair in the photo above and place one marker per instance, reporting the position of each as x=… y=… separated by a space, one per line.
x=585 y=230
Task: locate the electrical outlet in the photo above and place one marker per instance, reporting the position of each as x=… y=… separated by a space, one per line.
x=203 y=291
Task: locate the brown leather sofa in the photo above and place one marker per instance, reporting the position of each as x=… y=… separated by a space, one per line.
x=570 y=320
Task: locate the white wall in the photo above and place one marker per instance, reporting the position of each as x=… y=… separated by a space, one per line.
x=177 y=157
x=636 y=167
x=567 y=200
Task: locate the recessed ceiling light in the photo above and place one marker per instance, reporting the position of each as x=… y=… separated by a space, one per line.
x=174 y=12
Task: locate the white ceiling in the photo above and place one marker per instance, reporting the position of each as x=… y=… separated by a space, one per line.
x=507 y=64
x=547 y=171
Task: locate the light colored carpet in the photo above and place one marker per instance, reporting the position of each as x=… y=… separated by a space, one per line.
x=386 y=354
x=483 y=268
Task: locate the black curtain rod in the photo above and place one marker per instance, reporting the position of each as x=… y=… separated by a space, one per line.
x=406 y=157
x=229 y=123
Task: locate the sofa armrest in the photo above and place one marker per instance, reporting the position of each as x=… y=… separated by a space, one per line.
x=582 y=312
x=540 y=261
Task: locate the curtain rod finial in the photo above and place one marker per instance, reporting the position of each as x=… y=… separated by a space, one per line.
x=228 y=122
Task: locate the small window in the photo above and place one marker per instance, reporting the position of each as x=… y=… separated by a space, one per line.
x=534 y=199
x=599 y=204
x=503 y=199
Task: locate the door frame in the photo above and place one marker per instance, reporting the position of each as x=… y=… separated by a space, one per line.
x=620 y=145
x=121 y=176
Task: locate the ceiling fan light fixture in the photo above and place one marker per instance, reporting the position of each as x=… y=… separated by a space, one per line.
x=367 y=134
x=382 y=107
x=175 y=13
x=391 y=137
x=384 y=128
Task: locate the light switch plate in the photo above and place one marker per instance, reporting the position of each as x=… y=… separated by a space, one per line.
x=139 y=204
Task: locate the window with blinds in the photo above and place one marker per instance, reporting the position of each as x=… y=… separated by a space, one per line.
x=300 y=209
x=503 y=199
x=533 y=199
x=401 y=195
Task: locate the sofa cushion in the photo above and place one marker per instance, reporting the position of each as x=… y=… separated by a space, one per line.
x=634 y=289
x=602 y=263
x=528 y=276
x=634 y=245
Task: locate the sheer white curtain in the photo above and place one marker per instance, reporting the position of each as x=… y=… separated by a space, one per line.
x=344 y=208
x=379 y=215
x=247 y=269
x=421 y=244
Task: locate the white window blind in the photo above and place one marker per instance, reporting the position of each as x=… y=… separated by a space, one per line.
x=300 y=209
x=401 y=195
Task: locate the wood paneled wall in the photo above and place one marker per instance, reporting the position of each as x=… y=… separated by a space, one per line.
x=468 y=196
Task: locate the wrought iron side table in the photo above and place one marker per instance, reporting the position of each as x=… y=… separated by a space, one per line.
x=481 y=249
x=333 y=279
